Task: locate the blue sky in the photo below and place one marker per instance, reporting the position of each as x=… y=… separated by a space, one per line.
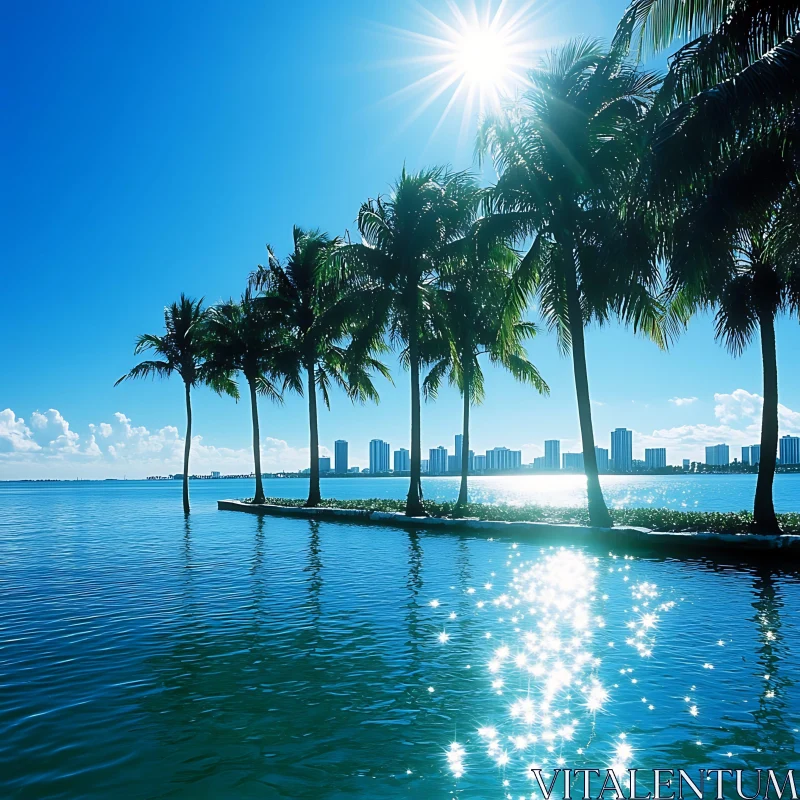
x=155 y=148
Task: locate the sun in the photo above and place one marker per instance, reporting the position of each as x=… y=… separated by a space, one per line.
x=473 y=58
x=482 y=56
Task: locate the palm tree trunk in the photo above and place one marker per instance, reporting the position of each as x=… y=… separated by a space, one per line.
x=764 y=519
x=259 y=495
x=463 y=497
x=314 y=496
x=598 y=512
x=414 y=507
x=187 y=446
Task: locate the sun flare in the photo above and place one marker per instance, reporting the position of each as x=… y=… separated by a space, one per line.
x=473 y=59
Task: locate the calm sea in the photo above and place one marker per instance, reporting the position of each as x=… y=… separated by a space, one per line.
x=230 y=656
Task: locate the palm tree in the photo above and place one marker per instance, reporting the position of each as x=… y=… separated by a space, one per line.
x=736 y=249
x=245 y=337
x=475 y=320
x=568 y=159
x=319 y=315
x=405 y=239
x=180 y=350
x=737 y=70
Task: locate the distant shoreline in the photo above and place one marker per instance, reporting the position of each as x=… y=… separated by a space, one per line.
x=793 y=470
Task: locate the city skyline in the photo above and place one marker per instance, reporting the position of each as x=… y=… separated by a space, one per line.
x=49 y=440
x=500 y=458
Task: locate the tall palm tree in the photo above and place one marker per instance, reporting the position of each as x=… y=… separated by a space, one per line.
x=180 y=349
x=245 y=337
x=320 y=316
x=568 y=159
x=476 y=320
x=737 y=69
x=405 y=239
x=736 y=249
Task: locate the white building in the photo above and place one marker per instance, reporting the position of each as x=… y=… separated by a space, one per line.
x=480 y=463
x=655 y=457
x=718 y=455
x=378 y=457
x=340 y=456
x=437 y=460
x=790 y=449
x=622 y=450
x=402 y=460
x=501 y=458
x=552 y=454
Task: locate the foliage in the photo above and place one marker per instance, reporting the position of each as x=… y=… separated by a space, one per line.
x=659 y=519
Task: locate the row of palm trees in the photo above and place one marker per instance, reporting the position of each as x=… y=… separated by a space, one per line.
x=621 y=194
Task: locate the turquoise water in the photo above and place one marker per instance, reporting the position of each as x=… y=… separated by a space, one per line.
x=142 y=655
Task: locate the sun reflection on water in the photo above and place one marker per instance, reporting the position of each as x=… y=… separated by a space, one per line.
x=545 y=672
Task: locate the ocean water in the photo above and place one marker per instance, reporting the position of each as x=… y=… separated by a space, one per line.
x=145 y=655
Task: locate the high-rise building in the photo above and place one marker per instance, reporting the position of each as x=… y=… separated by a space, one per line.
x=601 y=454
x=718 y=455
x=324 y=464
x=572 y=462
x=453 y=465
x=354 y=470
x=686 y=464
x=437 y=460
x=655 y=457
x=480 y=463
x=459 y=448
x=552 y=454
x=402 y=460
x=340 y=456
x=423 y=465
x=470 y=461
x=746 y=455
x=378 y=457
x=622 y=450
x=790 y=449
x=501 y=458
x=755 y=454
x=538 y=462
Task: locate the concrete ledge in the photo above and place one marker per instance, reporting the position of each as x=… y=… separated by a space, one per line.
x=673 y=543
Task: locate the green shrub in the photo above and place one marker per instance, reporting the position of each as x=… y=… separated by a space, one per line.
x=659 y=519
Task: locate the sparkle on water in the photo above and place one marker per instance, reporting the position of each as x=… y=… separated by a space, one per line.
x=145 y=655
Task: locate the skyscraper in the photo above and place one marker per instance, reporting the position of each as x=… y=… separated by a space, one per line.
x=746 y=455
x=718 y=455
x=324 y=464
x=402 y=460
x=437 y=460
x=480 y=463
x=459 y=448
x=378 y=457
x=755 y=454
x=501 y=458
x=622 y=450
x=340 y=456
x=552 y=454
x=655 y=457
x=790 y=449
x=601 y=454
x=572 y=462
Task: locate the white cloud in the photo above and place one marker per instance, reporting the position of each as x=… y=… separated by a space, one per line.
x=15 y=435
x=682 y=401
x=48 y=447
